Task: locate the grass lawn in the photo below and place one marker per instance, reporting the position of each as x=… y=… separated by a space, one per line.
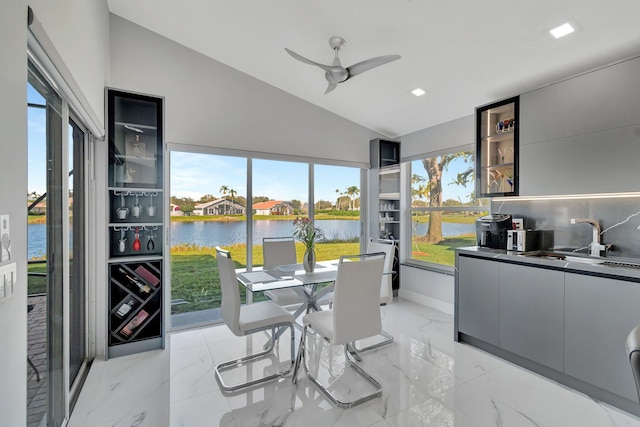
x=460 y=218
x=443 y=252
x=37 y=284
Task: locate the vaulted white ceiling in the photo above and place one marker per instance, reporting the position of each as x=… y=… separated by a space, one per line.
x=465 y=53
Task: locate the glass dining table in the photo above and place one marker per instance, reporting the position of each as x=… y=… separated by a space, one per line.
x=312 y=286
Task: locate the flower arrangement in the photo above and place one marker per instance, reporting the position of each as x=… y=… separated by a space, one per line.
x=304 y=231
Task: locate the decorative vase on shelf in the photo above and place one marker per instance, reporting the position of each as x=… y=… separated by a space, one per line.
x=309 y=260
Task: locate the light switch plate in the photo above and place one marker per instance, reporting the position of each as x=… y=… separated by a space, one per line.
x=7 y=280
x=5 y=238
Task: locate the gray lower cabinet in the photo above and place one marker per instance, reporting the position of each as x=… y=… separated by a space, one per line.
x=532 y=313
x=599 y=314
x=478 y=295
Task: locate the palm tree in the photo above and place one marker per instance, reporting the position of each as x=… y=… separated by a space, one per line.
x=352 y=192
x=338 y=201
x=233 y=193
x=224 y=190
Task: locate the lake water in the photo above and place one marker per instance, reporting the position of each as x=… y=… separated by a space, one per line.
x=213 y=233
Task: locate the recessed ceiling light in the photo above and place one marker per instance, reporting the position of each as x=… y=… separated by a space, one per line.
x=418 y=91
x=562 y=30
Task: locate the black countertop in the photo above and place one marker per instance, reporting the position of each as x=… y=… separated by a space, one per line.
x=616 y=268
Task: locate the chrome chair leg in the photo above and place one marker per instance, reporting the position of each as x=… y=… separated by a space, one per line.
x=232 y=364
x=339 y=403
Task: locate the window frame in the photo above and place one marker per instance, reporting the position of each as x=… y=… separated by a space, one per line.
x=249 y=157
x=410 y=209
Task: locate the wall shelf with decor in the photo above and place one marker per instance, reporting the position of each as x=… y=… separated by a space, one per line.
x=136 y=223
x=497 y=153
x=384 y=185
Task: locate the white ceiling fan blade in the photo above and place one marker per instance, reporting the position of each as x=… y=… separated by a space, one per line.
x=307 y=61
x=368 y=64
x=331 y=87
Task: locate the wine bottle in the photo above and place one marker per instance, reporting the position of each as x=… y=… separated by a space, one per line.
x=142 y=287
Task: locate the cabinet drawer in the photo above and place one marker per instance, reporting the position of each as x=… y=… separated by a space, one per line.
x=532 y=313
x=478 y=299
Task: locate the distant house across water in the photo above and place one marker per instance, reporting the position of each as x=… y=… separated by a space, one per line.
x=175 y=210
x=219 y=207
x=39 y=209
x=273 y=207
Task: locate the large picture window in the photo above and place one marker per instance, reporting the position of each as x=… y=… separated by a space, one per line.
x=213 y=196
x=443 y=207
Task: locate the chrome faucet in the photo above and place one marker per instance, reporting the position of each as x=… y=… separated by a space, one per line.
x=595 y=247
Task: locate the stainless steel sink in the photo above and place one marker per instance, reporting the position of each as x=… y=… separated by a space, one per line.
x=568 y=257
x=586 y=260
x=564 y=257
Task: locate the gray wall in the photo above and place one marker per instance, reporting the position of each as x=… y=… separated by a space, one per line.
x=13 y=162
x=441 y=137
x=213 y=105
x=619 y=218
x=79 y=29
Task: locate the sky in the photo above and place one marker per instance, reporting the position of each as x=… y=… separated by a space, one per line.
x=195 y=175
x=37 y=179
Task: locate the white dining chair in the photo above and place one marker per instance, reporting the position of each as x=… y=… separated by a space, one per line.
x=355 y=315
x=248 y=319
x=386 y=289
x=280 y=251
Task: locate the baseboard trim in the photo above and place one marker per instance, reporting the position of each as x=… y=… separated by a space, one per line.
x=427 y=301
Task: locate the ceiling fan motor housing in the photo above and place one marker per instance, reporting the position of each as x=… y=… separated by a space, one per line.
x=337 y=42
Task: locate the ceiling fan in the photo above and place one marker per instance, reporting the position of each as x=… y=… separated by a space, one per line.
x=336 y=73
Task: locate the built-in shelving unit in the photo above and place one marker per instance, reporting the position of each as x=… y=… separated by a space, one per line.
x=497 y=136
x=385 y=195
x=136 y=222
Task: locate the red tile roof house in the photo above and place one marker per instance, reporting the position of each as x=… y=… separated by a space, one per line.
x=273 y=207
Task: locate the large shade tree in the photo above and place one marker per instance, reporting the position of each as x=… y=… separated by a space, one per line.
x=434 y=167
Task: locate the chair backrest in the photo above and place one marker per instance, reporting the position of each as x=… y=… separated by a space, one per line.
x=278 y=251
x=356 y=304
x=230 y=304
x=633 y=350
x=386 y=285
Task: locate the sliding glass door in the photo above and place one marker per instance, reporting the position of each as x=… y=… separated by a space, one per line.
x=77 y=255
x=57 y=337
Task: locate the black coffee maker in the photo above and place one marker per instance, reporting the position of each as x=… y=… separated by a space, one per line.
x=491 y=230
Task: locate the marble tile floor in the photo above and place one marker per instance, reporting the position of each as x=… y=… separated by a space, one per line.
x=428 y=380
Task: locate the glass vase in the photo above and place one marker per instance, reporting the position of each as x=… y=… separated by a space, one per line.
x=309 y=260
